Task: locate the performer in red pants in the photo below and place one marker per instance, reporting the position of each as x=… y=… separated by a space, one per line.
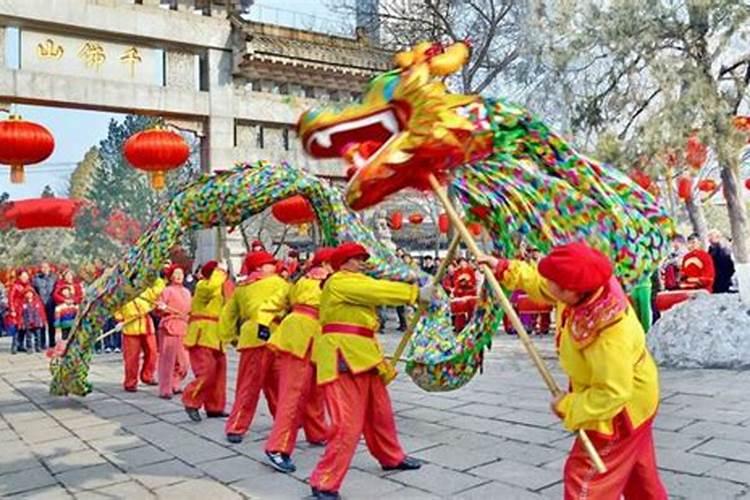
x=207 y=358
x=614 y=383
x=352 y=370
x=300 y=403
x=249 y=317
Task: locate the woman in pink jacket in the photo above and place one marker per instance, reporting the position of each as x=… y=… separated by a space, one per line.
x=174 y=306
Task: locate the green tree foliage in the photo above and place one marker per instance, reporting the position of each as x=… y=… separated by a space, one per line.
x=640 y=75
x=82 y=176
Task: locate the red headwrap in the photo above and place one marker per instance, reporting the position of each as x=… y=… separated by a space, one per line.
x=208 y=268
x=170 y=269
x=257 y=243
x=346 y=251
x=322 y=255
x=576 y=267
x=254 y=260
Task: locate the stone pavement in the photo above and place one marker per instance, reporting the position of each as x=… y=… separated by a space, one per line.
x=494 y=438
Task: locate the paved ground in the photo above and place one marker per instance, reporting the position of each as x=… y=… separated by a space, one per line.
x=494 y=438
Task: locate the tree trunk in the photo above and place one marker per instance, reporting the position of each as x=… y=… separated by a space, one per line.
x=697 y=217
x=737 y=212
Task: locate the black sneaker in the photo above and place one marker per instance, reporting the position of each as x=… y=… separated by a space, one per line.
x=281 y=462
x=216 y=414
x=193 y=413
x=328 y=495
x=234 y=438
x=407 y=463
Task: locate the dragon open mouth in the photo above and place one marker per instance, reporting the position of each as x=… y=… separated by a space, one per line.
x=336 y=140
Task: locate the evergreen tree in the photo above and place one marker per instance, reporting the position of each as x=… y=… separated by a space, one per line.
x=47 y=192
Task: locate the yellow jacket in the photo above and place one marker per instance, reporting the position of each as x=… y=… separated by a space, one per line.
x=258 y=303
x=610 y=372
x=301 y=326
x=349 y=321
x=203 y=326
x=135 y=314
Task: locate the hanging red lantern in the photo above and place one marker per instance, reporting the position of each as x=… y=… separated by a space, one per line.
x=396 y=221
x=707 y=185
x=696 y=152
x=23 y=143
x=475 y=228
x=156 y=151
x=294 y=210
x=36 y=213
x=416 y=218
x=444 y=223
x=747 y=183
x=641 y=178
x=741 y=123
x=684 y=187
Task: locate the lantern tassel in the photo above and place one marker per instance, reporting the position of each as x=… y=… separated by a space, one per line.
x=17 y=174
x=158 y=180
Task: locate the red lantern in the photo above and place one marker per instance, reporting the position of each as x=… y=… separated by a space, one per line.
x=38 y=213
x=642 y=179
x=23 y=143
x=416 y=218
x=747 y=184
x=707 y=185
x=742 y=123
x=396 y=221
x=684 y=188
x=156 y=151
x=444 y=223
x=294 y=210
x=475 y=228
x=696 y=152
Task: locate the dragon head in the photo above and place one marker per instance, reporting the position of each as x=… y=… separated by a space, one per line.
x=406 y=126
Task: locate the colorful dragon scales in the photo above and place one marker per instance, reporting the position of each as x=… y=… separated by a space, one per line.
x=508 y=171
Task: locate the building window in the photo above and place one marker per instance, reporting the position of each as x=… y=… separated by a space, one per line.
x=285 y=137
x=309 y=91
x=259 y=138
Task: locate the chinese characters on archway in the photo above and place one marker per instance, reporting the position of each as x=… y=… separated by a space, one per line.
x=92 y=54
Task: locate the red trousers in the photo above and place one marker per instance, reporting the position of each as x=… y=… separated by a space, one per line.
x=174 y=364
x=132 y=345
x=299 y=405
x=631 y=468
x=209 y=387
x=256 y=372
x=357 y=404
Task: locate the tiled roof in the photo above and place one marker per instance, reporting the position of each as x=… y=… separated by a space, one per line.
x=298 y=48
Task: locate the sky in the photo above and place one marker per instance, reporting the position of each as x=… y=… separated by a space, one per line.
x=75 y=131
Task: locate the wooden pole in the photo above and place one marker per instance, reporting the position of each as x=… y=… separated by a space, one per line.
x=436 y=282
x=489 y=274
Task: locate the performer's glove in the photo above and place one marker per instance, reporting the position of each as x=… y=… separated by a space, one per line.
x=426 y=293
x=223 y=265
x=118 y=327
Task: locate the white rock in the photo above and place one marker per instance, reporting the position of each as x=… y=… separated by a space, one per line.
x=709 y=331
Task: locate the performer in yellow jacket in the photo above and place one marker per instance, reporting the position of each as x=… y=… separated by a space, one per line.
x=207 y=358
x=249 y=318
x=299 y=403
x=139 y=335
x=614 y=383
x=351 y=367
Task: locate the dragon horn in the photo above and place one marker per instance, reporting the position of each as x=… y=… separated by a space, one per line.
x=450 y=60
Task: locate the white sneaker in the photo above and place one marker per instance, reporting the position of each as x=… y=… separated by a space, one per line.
x=117 y=350
x=108 y=350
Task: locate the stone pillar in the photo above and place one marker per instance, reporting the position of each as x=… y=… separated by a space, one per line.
x=2 y=46
x=219 y=144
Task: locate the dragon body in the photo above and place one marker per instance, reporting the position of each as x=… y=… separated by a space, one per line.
x=438 y=359
x=507 y=169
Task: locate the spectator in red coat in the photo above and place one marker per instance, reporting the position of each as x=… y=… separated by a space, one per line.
x=463 y=297
x=697 y=267
x=25 y=308
x=68 y=281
